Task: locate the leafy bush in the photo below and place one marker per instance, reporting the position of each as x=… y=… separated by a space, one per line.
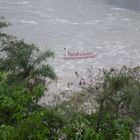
x=32 y=128
x=119 y=93
x=7 y=132
x=85 y=127
x=25 y=60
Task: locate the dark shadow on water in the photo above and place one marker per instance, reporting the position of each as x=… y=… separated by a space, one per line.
x=133 y=5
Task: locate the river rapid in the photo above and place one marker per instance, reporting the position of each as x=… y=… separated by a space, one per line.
x=110 y=28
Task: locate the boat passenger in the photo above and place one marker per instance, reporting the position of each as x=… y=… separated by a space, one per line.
x=66 y=51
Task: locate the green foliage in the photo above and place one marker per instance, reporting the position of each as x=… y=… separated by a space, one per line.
x=3 y=36
x=7 y=108
x=119 y=94
x=85 y=127
x=3 y=23
x=25 y=60
x=116 y=97
x=32 y=128
x=19 y=108
x=41 y=125
x=7 y=132
x=79 y=128
x=29 y=121
x=116 y=128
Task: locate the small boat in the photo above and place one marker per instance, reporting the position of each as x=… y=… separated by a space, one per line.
x=80 y=56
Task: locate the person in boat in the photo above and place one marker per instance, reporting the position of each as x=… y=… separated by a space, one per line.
x=66 y=52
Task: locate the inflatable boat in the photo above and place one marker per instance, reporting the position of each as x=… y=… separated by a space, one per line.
x=80 y=56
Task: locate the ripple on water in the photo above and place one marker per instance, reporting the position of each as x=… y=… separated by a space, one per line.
x=118 y=9
x=28 y=22
x=41 y=14
x=20 y=3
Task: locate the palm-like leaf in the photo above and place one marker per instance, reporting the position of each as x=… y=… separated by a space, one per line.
x=45 y=71
x=26 y=60
x=3 y=35
x=3 y=23
x=43 y=56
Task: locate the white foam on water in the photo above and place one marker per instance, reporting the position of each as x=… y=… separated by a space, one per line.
x=44 y=15
x=75 y=23
x=19 y=3
x=62 y=20
x=25 y=3
x=50 y=9
x=59 y=20
x=118 y=9
x=28 y=22
x=127 y=19
x=90 y=22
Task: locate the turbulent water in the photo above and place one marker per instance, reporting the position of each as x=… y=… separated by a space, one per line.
x=110 y=28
